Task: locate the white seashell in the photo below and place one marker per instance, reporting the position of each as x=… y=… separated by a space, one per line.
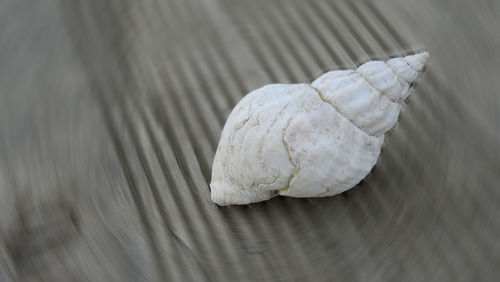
x=315 y=140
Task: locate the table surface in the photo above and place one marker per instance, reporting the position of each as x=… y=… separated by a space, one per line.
x=111 y=112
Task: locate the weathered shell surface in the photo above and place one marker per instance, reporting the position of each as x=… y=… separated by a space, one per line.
x=315 y=140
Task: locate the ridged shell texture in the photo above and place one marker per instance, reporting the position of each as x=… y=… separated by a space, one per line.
x=315 y=140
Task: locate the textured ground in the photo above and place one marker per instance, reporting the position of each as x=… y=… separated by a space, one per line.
x=111 y=111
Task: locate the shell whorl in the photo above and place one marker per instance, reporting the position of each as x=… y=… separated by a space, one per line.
x=370 y=96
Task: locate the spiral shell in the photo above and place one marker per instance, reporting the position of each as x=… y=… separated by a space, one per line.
x=315 y=140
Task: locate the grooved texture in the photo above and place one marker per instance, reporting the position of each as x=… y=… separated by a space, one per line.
x=115 y=108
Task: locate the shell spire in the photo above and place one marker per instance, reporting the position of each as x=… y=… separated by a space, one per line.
x=370 y=96
x=393 y=77
x=315 y=140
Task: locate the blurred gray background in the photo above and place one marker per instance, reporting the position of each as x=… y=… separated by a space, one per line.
x=110 y=114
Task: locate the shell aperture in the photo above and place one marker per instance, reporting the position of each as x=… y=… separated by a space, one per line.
x=315 y=140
